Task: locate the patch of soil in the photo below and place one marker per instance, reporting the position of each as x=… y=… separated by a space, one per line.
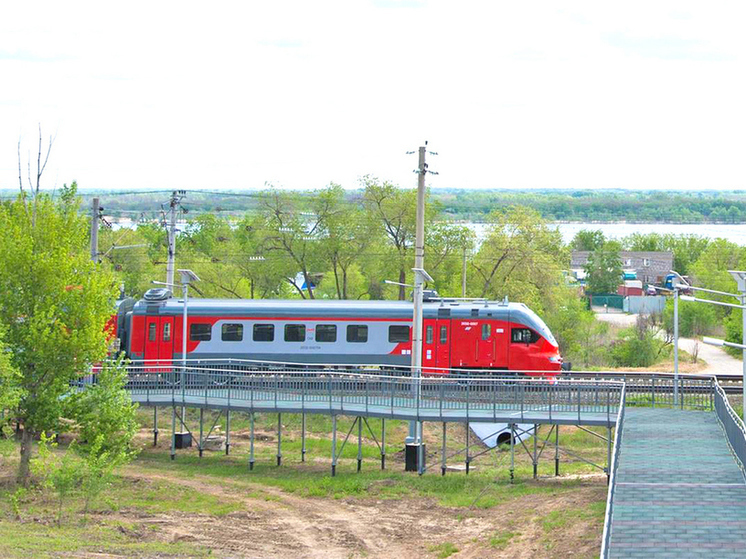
x=286 y=524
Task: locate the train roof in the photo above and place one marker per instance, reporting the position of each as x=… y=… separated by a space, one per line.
x=333 y=308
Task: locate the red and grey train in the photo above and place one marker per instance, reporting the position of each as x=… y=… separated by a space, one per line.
x=464 y=335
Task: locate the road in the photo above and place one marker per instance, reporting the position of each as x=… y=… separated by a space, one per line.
x=718 y=361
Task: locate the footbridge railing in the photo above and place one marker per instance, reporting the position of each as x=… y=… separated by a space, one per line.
x=612 y=479
x=735 y=430
x=436 y=398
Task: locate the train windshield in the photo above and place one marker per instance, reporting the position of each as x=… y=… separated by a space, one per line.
x=540 y=326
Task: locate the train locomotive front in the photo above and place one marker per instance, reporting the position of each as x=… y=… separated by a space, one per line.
x=457 y=335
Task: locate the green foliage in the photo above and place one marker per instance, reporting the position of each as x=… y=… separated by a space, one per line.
x=53 y=306
x=604 y=268
x=105 y=414
x=695 y=319
x=61 y=473
x=587 y=239
x=521 y=257
x=639 y=346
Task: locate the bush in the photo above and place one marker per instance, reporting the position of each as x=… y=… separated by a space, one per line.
x=639 y=346
x=695 y=319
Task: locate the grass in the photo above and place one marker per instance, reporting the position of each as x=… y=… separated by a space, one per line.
x=443 y=550
x=500 y=540
x=141 y=492
x=35 y=539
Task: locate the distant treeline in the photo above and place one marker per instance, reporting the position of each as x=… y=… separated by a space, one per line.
x=652 y=206
x=649 y=206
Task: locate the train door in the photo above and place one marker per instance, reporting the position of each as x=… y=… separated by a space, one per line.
x=159 y=344
x=150 y=354
x=429 y=347
x=166 y=343
x=442 y=337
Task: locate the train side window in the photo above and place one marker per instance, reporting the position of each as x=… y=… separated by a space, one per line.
x=444 y=334
x=167 y=332
x=231 y=332
x=200 y=332
x=151 y=332
x=264 y=333
x=429 y=335
x=357 y=333
x=295 y=332
x=398 y=334
x=326 y=332
x=486 y=331
x=524 y=336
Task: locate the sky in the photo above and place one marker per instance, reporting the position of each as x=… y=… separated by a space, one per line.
x=298 y=94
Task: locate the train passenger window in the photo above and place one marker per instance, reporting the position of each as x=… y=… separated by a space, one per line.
x=232 y=332
x=524 y=336
x=444 y=334
x=486 y=331
x=429 y=335
x=167 y=332
x=357 y=333
x=326 y=333
x=295 y=332
x=264 y=332
x=398 y=334
x=200 y=332
x=151 y=332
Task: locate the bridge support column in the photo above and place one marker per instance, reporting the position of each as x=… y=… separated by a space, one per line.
x=155 y=425
x=535 y=458
x=512 y=452
x=556 y=450
x=334 y=445
x=251 y=442
x=227 y=432
x=383 y=444
x=421 y=448
x=303 y=437
x=173 y=433
x=468 y=460
x=201 y=430
x=279 y=439
x=443 y=453
x=359 y=443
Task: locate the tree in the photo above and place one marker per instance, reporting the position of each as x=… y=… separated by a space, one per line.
x=521 y=258
x=587 y=239
x=396 y=210
x=54 y=303
x=604 y=268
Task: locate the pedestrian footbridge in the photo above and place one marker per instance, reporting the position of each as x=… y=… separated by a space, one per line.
x=677 y=487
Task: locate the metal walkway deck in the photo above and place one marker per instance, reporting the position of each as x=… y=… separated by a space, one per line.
x=679 y=492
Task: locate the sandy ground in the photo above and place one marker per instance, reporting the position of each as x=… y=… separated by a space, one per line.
x=718 y=362
x=278 y=524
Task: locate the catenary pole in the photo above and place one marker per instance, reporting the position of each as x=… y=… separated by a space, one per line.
x=173 y=205
x=419 y=261
x=94 y=229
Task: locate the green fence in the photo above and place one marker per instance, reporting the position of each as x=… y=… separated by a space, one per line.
x=601 y=299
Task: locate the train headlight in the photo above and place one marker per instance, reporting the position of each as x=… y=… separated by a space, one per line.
x=555 y=359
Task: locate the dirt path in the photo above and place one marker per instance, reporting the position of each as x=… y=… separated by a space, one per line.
x=718 y=361
x=274 y=523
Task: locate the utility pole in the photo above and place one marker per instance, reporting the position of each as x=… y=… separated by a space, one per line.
x=463 y=275
x=174 y=204
x=95 y=210
x=415 y=451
